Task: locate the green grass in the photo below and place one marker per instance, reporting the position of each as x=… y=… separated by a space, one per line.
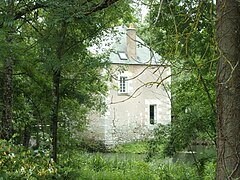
x=138 y=147
x=98 y=167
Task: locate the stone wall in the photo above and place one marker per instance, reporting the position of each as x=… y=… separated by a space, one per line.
x=127 y=116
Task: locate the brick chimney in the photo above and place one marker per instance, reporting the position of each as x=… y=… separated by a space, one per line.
x=131 y=42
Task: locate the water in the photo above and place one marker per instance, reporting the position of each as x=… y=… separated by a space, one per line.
x=182 y=157
x=199 y=152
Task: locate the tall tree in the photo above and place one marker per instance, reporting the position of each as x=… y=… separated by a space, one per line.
x=11 y=14
x=6 y=125
x=182 y=32
x=228 y=90
x=69 y=28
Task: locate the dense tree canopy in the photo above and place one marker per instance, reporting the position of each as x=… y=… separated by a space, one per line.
x=182 y=32
x=49 y=77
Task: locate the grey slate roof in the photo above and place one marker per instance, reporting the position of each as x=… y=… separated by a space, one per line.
x=145 y=56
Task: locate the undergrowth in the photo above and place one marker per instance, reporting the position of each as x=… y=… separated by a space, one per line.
x=17 y=162
x=138 y=147
x=98 y=167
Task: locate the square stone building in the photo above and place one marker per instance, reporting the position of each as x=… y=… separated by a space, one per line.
x=138 y=98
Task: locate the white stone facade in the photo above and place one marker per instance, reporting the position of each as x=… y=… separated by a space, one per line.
x=128 y=115
x=138 y=98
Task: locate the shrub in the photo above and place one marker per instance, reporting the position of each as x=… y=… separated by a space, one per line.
x=209 y=171
x=18 y=162
x=91 y=145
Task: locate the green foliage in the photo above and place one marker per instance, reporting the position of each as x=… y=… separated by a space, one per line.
x=182 y=32
x=193 y=115
x=18 y=162
x=48 y=36
x=39 y=47
x=138 y=147
x=177 y=171
x=158 y=144
x=162 y=146
x=209 y=170
x=99 y=166
x=90 y=145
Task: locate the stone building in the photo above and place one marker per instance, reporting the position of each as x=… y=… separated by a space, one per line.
x=138 y=98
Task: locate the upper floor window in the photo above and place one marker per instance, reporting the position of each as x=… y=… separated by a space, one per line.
x=123 y=84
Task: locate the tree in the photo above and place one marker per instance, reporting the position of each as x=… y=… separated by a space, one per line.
x=182 y=32
x=70 y=27
x=228 y=91
x=55 y=35
x=6 y=125
x=11 y=19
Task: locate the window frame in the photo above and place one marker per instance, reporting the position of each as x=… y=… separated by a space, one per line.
x=123 y=85
x=122 y=55
x=153 y=114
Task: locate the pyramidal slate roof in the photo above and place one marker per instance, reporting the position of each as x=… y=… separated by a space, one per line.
x=145 y=56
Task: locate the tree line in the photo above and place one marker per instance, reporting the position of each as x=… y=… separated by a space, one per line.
x=49 y=79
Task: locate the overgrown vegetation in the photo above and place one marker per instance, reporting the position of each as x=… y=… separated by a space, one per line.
x=49 y=78
x=99 y=167
x=183 y=33
x=138 y=147
x=18 y=162
x=44 y=53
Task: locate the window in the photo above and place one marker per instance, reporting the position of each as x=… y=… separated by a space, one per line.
x=123 y=84
x=122 y=55
x=153 y=114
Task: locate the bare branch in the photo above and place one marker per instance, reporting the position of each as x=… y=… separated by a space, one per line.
x=143 y=85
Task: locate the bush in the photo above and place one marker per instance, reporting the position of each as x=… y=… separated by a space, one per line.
x=91 y=145
x=18 y=162
x=209 y=171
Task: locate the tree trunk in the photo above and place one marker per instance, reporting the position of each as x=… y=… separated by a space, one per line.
x=6 y=124
x=26 y=135
x=56 y=88
x=228 y=90
x=55 y=107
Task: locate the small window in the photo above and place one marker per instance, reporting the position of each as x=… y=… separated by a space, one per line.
x=153 y=114
x=123 y=84
x=122 y=55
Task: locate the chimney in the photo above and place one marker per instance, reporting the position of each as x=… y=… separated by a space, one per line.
x=131 y=42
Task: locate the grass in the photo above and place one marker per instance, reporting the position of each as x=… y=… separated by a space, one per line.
x=97 y=167
x=138 y=147
x=76 y=164
x=100 y=166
